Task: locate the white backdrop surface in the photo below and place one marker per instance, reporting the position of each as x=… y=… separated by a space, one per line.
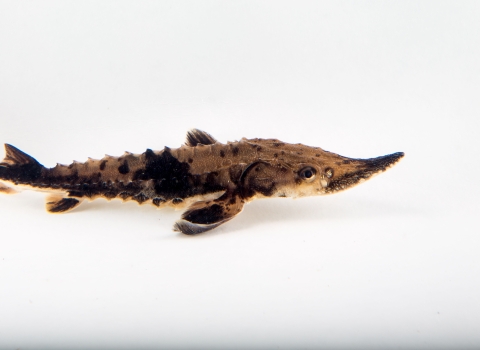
x=393 y=263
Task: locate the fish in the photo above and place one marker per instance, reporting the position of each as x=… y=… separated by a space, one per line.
x=211 y=180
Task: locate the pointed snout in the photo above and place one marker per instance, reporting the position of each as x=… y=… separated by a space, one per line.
x=380 y=163
x=354 y=171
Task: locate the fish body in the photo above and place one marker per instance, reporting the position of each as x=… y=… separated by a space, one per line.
x=212 y=180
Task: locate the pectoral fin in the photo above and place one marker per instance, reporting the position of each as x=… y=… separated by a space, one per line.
x=205 y=216
x=59 y=204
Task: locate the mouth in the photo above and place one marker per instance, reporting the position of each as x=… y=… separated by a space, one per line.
x=362 y=170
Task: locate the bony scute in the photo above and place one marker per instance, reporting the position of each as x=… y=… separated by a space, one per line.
x=211 y=180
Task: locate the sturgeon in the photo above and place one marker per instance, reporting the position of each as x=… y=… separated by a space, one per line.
x=211 y=179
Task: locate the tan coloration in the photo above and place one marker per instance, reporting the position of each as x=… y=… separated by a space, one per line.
x=207 y=215
x=105 y=169
x=18 y=188
x=285 y=162
x=212 y=179
x=6 y=190
x=58 y=204
x=180 y=205
x=13 y=157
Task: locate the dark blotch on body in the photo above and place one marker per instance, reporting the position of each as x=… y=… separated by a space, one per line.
x=266 y=190
x=171 y=178
x=164 y=175
x=75 y=194
x=124 y=169
x=22 y=174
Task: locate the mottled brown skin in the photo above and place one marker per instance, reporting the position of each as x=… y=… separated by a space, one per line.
x=215 y=180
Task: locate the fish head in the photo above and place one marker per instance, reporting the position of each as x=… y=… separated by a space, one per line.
x=308 y=171
x=335 y=173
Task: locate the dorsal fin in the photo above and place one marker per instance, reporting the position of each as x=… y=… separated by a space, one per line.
x=196 y=137
x=16 y=157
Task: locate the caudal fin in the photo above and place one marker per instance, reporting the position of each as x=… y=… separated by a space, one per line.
x=15 y=157
x=19 y=167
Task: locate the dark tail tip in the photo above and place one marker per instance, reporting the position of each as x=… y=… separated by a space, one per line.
x=15 y=157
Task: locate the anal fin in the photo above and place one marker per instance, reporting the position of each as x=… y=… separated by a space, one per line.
x=7 y=190
x=205 y=216
x=57 y=204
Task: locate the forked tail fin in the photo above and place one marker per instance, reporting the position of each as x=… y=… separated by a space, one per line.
x=15 y=157
x=18 y=166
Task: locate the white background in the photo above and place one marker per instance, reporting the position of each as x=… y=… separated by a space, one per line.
x=393 y=263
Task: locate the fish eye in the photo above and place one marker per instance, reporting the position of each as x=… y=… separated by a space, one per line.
x=307 y=173
x=329 y=172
